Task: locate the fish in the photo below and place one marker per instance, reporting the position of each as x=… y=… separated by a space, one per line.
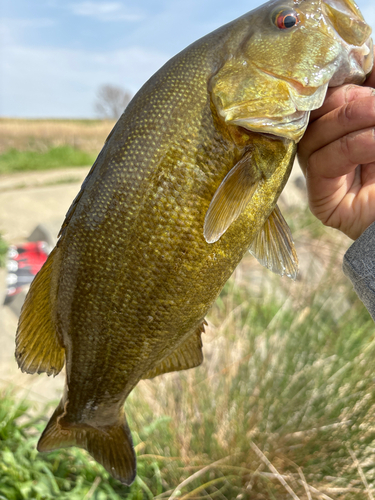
x=186 y=183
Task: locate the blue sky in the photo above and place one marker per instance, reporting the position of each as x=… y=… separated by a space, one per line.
x=54 y=54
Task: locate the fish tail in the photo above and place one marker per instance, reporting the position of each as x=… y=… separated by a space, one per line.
x=111 y=446
x=38 y=346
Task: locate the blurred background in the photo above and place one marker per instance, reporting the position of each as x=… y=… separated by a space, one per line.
x=284 y=404
x=55 y=55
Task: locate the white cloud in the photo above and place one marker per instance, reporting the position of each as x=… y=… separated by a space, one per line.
x=105 y=11
x=12 y=29
x=37 y=82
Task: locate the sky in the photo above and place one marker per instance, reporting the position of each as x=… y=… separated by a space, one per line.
x=55 y=54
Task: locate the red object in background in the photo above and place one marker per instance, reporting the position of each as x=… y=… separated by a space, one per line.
x=24 y=262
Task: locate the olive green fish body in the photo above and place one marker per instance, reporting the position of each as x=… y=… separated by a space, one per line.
x=142 y=217
x=183 y=187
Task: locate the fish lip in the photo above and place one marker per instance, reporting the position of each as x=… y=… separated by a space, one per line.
x=291 y=127
x=357 y=61
x=357 y=64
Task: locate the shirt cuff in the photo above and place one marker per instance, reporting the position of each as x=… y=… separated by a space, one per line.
x=359 y=267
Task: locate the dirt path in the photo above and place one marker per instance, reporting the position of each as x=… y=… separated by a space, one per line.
x=27 y=200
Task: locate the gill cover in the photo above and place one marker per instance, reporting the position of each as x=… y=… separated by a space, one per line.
x=282 y=69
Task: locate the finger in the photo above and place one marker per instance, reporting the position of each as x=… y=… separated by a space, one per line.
x=354 y=116
x=338 y=96
x=348 y=202
x=342 y=156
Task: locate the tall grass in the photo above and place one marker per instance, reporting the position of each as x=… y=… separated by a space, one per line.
x=282 y=407
x=27 y=145
x=41 y=135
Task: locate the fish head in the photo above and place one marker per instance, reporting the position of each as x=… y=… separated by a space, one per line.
x=285 y=56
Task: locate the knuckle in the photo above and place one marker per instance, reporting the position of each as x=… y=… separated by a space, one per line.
x=345 y=114
x=345 y=144
x=348 y=111
x=352 y=92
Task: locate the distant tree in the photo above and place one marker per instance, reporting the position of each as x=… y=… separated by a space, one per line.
x=111 y=101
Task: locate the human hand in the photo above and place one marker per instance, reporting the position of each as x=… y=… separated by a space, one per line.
x=337 y=156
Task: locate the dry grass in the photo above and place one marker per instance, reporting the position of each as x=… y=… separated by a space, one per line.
x=40 y=135
x=283 y=406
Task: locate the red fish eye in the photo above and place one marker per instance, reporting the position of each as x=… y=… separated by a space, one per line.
x=286 y=19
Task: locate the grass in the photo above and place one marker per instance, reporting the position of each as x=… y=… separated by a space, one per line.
x=283 y=407
x=55 y=157
x=27 y=145
x=41 y=135
x=3 y=251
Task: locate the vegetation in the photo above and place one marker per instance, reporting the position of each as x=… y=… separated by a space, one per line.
x=111 y=101
x=56 y=157
x=28 y=145
x=283 y=407
x=41 y=135
x=3 y=250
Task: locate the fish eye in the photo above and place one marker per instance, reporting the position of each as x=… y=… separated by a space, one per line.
x=286 y=19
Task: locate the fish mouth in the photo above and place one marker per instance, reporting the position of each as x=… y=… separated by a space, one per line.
x=292 y=126
x=353 y=65
x=292 y=118
x=356 y=66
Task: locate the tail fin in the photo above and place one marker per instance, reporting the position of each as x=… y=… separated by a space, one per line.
x=111 y=446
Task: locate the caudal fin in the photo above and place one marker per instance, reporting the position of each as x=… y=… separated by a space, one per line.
x=111 y=446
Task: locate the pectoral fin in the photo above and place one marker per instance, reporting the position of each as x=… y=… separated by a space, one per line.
x=274 y=248
x=231 y=197
x=188 y=355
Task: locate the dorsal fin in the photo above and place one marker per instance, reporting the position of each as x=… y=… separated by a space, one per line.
x=274 y=248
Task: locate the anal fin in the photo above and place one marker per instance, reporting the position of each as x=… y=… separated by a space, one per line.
x=111 y=445
x=188 y=355
x=274 y=248
x=38 y=347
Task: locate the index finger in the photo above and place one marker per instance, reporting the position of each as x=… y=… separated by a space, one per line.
x=337 y=96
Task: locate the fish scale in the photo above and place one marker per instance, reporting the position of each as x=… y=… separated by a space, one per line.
x=185 y=184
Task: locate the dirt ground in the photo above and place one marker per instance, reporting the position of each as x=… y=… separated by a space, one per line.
x=42 y=199
x=26 y=201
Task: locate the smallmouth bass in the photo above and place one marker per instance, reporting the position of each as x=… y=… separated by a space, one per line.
x=185 y=184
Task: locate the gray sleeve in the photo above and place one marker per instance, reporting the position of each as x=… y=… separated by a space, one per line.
x=359 y=267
